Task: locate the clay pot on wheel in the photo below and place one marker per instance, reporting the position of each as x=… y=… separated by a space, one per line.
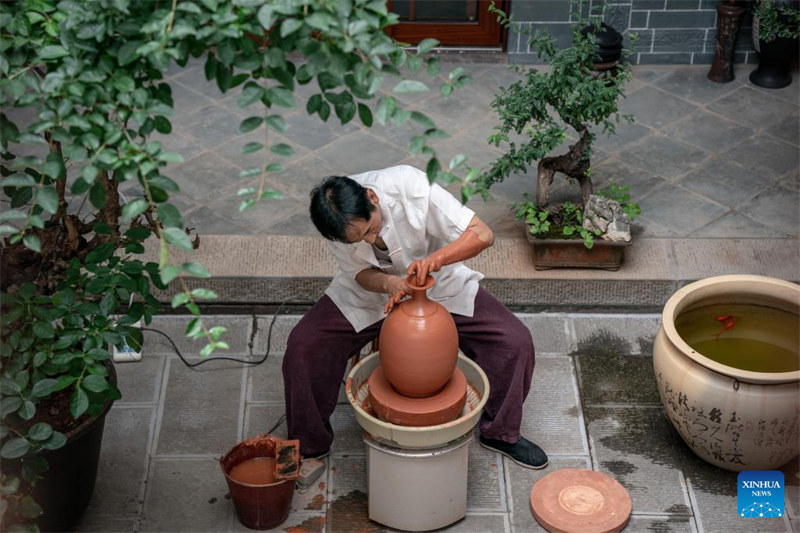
x=418 y=344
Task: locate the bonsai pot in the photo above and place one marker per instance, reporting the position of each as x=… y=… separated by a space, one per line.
x=774 y=63
x=571 y=253
x=732 y=417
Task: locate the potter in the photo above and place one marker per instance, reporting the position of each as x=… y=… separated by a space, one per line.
x=383 y=226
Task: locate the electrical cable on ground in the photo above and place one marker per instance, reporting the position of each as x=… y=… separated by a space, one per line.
x=226 y=358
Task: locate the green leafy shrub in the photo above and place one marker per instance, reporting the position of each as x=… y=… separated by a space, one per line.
x=565 y=221
x=88 y=76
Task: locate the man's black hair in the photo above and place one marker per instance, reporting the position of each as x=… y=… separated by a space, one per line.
x=335 y=203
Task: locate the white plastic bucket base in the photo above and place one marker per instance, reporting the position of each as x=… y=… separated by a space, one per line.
x=417 y=490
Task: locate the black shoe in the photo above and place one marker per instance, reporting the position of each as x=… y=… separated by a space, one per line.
x=523 y=452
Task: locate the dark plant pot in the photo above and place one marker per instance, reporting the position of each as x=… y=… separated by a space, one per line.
x=571 y=253
x=774 y=61
x=608 y=42
x=68 y=484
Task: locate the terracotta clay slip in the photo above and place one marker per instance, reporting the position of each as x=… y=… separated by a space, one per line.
x=418 y=344
x=580 y=501
x=440 y=408
x=262 y=505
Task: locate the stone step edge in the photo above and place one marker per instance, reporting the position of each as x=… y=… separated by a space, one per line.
x=273 y=268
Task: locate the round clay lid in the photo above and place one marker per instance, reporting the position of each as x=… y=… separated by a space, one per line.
x=580 y=501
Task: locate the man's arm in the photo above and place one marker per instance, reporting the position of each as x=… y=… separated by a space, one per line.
x=475 y=239
x=375 y=280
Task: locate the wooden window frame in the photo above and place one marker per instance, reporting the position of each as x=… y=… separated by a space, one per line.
x=484 y=32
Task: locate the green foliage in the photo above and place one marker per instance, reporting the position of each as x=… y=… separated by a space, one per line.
x=565 y=221
x=775 y=21
x=548 y=107
x=89 y=76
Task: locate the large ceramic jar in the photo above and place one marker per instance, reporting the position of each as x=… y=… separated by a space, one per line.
x=732 y=418
x=418 y=344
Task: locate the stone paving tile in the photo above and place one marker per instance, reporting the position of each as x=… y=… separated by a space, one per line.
x=550 y=334
x=348 y=438
x=697 y=212
x=740 y=225
x=206 y=177
x=209 y=127
x=764 y=207
x=632 y=334
x=196 y=492
x=260 y=217
x=458 y=111
x=312 y=133
x=195 y=78
x=615 y=170
x=708 y=131
x=175 y=142
x=751 y=107
x=358 y=151
x=641 y=450
x=484 y=478
x=237 y=335
x=648 y=524
x=261 y=418
x=212 y=223
x=121 y=472
x=786 y=130
x=265 y=380
x=725 y=182
x=347 y=495
x=280 y=333
x=140 y=382
x=617 y=379
x=625 y=133
x=520 y=483
x=232 y=150
x=302 y=175
x=693 y=84
x=714 y=498
x=765 y=155
x=791 y=181
x=201 y=410
x=655 y=108
x=663 y=156
x=551 y=414
x=186 y=99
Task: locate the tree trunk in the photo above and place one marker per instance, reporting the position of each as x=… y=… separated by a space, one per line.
x=574 y=164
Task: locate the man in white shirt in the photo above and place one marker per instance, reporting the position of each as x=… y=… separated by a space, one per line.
x=383 y=226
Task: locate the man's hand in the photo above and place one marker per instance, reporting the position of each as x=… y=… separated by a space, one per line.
x=423 y=267
x=397 y=290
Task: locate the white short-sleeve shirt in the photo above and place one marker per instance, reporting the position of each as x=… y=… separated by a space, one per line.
x=418 y=219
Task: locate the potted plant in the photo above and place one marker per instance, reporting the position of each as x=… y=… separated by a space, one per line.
x=82 y=94
x=581 y=88
x=776 y=28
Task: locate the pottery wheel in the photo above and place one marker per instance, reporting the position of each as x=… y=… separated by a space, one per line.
x=391 y=406
x=580 y=501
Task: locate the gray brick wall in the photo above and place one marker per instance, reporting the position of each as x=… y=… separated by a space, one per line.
x=669 y=31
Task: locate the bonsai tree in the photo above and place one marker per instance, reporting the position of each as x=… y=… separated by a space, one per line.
x=90 y=77
x=550 y=107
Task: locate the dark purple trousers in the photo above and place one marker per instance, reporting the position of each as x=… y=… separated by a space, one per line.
x=323 y=341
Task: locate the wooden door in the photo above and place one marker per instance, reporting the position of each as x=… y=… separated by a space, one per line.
x=451 y=22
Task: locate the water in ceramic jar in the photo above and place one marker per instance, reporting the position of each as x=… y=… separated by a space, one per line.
x=745 y=336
